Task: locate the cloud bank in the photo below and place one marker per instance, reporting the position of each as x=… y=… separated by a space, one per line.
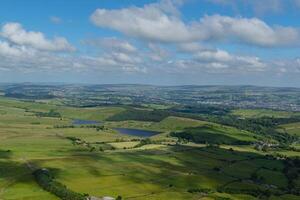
x=154 y=40
x=153 y=23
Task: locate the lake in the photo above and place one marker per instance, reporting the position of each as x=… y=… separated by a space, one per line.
x=136 y=132
x=85 y=122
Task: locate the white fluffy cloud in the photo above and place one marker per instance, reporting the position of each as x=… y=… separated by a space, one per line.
x=190 y=47
x=8 y=50
x=217 y=55
x=24 y=59
x=160 y=42
x=149 y=22
x=157 y=53
x=161 y=27
x=15 y=33
x=112 y=43
x=251 y=31
x=219 y=60
x=30 y=51
x=155 y=60
x=153 y=23
x=121 y=57
x=117 y=54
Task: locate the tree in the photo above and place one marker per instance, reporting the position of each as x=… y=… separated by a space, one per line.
x=119 y=198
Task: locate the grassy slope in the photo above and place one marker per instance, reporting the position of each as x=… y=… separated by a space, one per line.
x=67 y=112
x=293 y=128
x=169 y=124
x=257 y=113
x=215 y=133
x=98 y=114
x=177 y=123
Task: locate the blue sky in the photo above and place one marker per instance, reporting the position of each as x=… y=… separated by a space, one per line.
x=167 y=42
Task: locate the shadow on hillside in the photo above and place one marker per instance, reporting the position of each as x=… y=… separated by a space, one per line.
x=180 y=167
x=208 y=135
x=5 y=154
x=12 y=172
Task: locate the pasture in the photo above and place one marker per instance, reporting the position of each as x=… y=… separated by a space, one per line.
x=257 y=113
x=106 y=163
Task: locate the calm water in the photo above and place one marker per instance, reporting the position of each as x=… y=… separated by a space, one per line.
x=85 y=122
x=136 y=132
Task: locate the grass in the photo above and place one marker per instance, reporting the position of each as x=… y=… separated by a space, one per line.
x=177 y=123
x=152 y=172
x=168 y=124
x=98 y=114
x=122 y=145
x=216 y=134
x=121 y=173
x=132 y=173
x=293 y=128
x=257 y=113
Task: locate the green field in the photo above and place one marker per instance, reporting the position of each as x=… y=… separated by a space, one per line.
x=257 y=113
x=107 y=163
x=293 y=128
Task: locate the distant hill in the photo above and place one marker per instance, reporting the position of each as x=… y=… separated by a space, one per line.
x=277 y=98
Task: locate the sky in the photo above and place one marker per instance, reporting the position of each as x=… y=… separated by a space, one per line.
x=164 y=42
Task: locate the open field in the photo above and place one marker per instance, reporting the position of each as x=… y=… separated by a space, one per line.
x=293 y=128
x=257 y=113
x=106 y=163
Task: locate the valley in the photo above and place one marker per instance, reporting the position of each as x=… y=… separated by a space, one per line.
x=205 y=154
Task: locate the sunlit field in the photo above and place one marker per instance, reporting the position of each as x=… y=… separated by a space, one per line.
x=107 y=163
